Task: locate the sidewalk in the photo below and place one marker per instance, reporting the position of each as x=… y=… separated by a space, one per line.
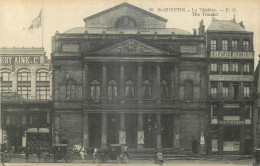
x=213 y=160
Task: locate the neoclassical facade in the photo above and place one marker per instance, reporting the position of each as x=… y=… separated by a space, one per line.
x=126 y=79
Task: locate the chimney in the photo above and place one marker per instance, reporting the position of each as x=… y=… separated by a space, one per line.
x=242 y=24
x=201 y=28
x=194 y=31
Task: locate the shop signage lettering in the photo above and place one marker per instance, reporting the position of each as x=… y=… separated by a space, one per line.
x=231 y=55
x=232 y=122
x=216 y=77
x=20 y=60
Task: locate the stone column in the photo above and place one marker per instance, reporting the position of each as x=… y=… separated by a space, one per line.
x=158 y=84
x=158 y=132
x=85 y=85
x=176 y=81
x=14 y=81
x=122 y=84
x=104 y=130
x=139 y=90
x=33 y=85
x=104 y=84
x=51 y=84
x=122 y=134
x=85 y=131
x=140 y=131
x=176 y=124
x=202 y=149
x=56 y=127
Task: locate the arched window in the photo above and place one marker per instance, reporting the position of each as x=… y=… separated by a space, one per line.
x=112 y=90
x=6 y=75
x=129 y=89
x=188 y=91
x=164 y=90
x=95 y=90
x=42 y=75
x=70 y=90
x=24 y=75
x=125 y=22
x=147 y=89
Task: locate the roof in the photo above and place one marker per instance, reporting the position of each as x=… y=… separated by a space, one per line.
x=225 y=25
x=125 y=4
x=160 y=31
x=21 y=51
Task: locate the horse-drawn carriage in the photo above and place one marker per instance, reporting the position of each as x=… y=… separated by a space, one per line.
x=37 y=141
x=115 y=152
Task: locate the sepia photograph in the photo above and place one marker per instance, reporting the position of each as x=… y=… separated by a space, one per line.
x=130 y=82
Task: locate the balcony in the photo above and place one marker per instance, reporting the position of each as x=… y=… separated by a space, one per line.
x=113 y=102
x=149 y=102
x=131 y=102
x=11 y=97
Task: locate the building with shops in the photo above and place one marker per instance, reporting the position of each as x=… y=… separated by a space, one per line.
x=26 y=92
x=126 y=79
x=231 y=87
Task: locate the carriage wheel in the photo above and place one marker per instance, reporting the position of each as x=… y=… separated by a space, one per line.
x=69 y=156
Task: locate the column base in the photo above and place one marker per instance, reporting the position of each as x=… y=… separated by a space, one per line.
x=202 y=150
x=140 y=146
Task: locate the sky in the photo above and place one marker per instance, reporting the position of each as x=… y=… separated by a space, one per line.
x=61 y=15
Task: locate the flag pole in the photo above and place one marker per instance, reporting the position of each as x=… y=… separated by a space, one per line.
x=42 y=23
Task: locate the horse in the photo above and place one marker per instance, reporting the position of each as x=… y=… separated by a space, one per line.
x=81 y=150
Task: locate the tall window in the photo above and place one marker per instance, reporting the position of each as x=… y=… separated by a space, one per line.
x=6 y=76
x=225 y=67
x=24 y=75
x=42 y=75
x=188 y=91
x=225 y=89
x=130 y=89
x=246 y=90
x=213 y=67
x=224 y=45
x=70 y=90
x=245 y=45
x=43 y=93
x=95 y=90
x=246 y=68
x=25 y=92
x=112 y=90
x=213 y=89
x=234 y=67
x=147 y=90
x=164 y=90
x=213 y=44
x=6 y=89
x=234 y=45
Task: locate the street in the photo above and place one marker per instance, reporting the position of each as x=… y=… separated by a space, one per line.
x=177 y=162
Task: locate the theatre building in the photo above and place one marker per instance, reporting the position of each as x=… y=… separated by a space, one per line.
x=231 y=56
x=25 y=94
x=126 y=79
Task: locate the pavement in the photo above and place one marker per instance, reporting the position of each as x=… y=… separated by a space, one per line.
x=18 y=160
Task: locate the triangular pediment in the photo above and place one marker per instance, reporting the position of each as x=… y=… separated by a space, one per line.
x=131 y=47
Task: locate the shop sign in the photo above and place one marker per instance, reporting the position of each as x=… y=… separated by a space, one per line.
x=231 y=55
x=216 y=77
x=20 y=60
x=232 y=122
